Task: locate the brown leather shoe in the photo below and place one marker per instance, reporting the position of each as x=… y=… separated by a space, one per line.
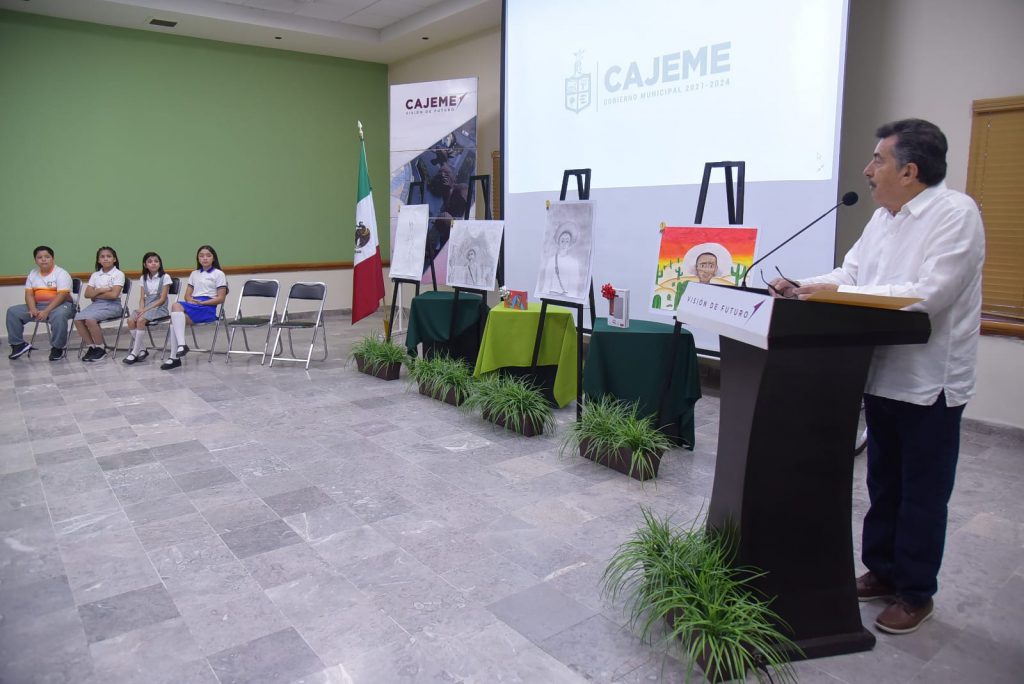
x=902 y=618
x=870 y=587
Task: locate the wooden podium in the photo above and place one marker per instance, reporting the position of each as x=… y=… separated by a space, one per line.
x=793 y=374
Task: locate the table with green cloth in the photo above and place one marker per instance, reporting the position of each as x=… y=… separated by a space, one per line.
x=430 y=318
x=508 y=342
x=629 y=364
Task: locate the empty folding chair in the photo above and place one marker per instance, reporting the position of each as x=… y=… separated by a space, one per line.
x=76 y=290
x=125 y=293
x=252 y=292
x=304 y=292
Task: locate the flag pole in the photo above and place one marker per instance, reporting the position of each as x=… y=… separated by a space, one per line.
x=367 y=268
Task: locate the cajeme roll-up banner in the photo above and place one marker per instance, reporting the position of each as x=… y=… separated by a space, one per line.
x=433 y=141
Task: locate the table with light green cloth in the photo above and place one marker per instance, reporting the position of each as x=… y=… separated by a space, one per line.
x=430 y=318
x=509 y=337
x=629 y=364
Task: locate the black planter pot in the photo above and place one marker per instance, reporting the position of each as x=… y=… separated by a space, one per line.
x=620 y=460
x=526 y=426
x=449 y=397
x=388 y=371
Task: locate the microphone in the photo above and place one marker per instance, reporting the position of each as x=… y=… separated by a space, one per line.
x=849 y=199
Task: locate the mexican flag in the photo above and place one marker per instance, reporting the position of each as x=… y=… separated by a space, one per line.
x=367 y=270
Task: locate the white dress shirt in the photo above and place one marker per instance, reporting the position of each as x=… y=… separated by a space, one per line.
x=933 y=249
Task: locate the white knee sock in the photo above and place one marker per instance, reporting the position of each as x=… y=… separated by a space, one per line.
x=138 y=341
x=178 y=331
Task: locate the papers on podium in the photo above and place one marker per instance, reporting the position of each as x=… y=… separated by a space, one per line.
x=872 y=301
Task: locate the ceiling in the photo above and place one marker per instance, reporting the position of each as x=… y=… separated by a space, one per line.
x=371 y=30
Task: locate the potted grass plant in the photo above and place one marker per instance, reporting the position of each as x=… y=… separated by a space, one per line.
x=443 y=378
x=612 y=433
x=376 y=356
x=513 y=403
x=685 y=578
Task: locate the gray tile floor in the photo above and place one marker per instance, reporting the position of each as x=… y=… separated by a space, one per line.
x=237 y=523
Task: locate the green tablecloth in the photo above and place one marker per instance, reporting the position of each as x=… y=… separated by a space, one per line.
x=509 y=337
x=430 y=317
x=629 y=364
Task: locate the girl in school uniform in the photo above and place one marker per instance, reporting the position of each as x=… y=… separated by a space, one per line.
x=104 y=289
x=207 y=289
x=154 y=285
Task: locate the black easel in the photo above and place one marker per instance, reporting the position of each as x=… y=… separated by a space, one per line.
x=485 y=190
x=394 y=299
x=415 y=283
x=485 y=182
x=583 y=192
x=734 y=191
x=433 y=274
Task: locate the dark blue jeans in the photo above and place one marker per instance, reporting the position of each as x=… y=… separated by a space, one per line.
x=912 y=455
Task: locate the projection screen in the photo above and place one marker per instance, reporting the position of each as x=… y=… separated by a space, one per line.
x=644 y=93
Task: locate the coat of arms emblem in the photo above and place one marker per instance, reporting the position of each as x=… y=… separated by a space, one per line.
x=577 y=87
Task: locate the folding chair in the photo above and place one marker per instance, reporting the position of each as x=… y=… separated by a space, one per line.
x=253 y=289
x=125 y=294
x=76 y=290
x=308 y=292
x=217 y=323
x=160 y=320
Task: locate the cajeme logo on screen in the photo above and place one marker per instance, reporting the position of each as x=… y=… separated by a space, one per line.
x=680 y=72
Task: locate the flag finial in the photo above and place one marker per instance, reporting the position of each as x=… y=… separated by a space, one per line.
x=360 y=124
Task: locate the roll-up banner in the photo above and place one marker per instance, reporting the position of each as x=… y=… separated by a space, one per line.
x=433 y=142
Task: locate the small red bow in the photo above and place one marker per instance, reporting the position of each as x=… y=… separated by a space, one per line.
x=607 y=291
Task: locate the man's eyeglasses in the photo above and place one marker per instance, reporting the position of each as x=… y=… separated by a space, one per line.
x=791 y=282
x=775 y=289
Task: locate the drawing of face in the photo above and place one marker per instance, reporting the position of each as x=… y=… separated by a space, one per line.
x=707 y=267
x=471 y=256
x=565 y=241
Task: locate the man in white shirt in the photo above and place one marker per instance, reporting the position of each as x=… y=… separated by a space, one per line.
x=924 y=241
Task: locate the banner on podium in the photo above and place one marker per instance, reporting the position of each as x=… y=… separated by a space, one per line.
x=736 y=314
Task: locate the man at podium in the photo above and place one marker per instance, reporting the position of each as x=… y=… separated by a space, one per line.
x=925 y=241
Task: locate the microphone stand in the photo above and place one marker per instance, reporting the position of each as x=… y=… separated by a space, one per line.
x=789 y=239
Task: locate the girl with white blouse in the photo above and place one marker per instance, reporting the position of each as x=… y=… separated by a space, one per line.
x=207 y=289
x=154 y=286
x=104 y=289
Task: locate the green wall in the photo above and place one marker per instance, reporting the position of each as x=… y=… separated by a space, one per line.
x=147 y=141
